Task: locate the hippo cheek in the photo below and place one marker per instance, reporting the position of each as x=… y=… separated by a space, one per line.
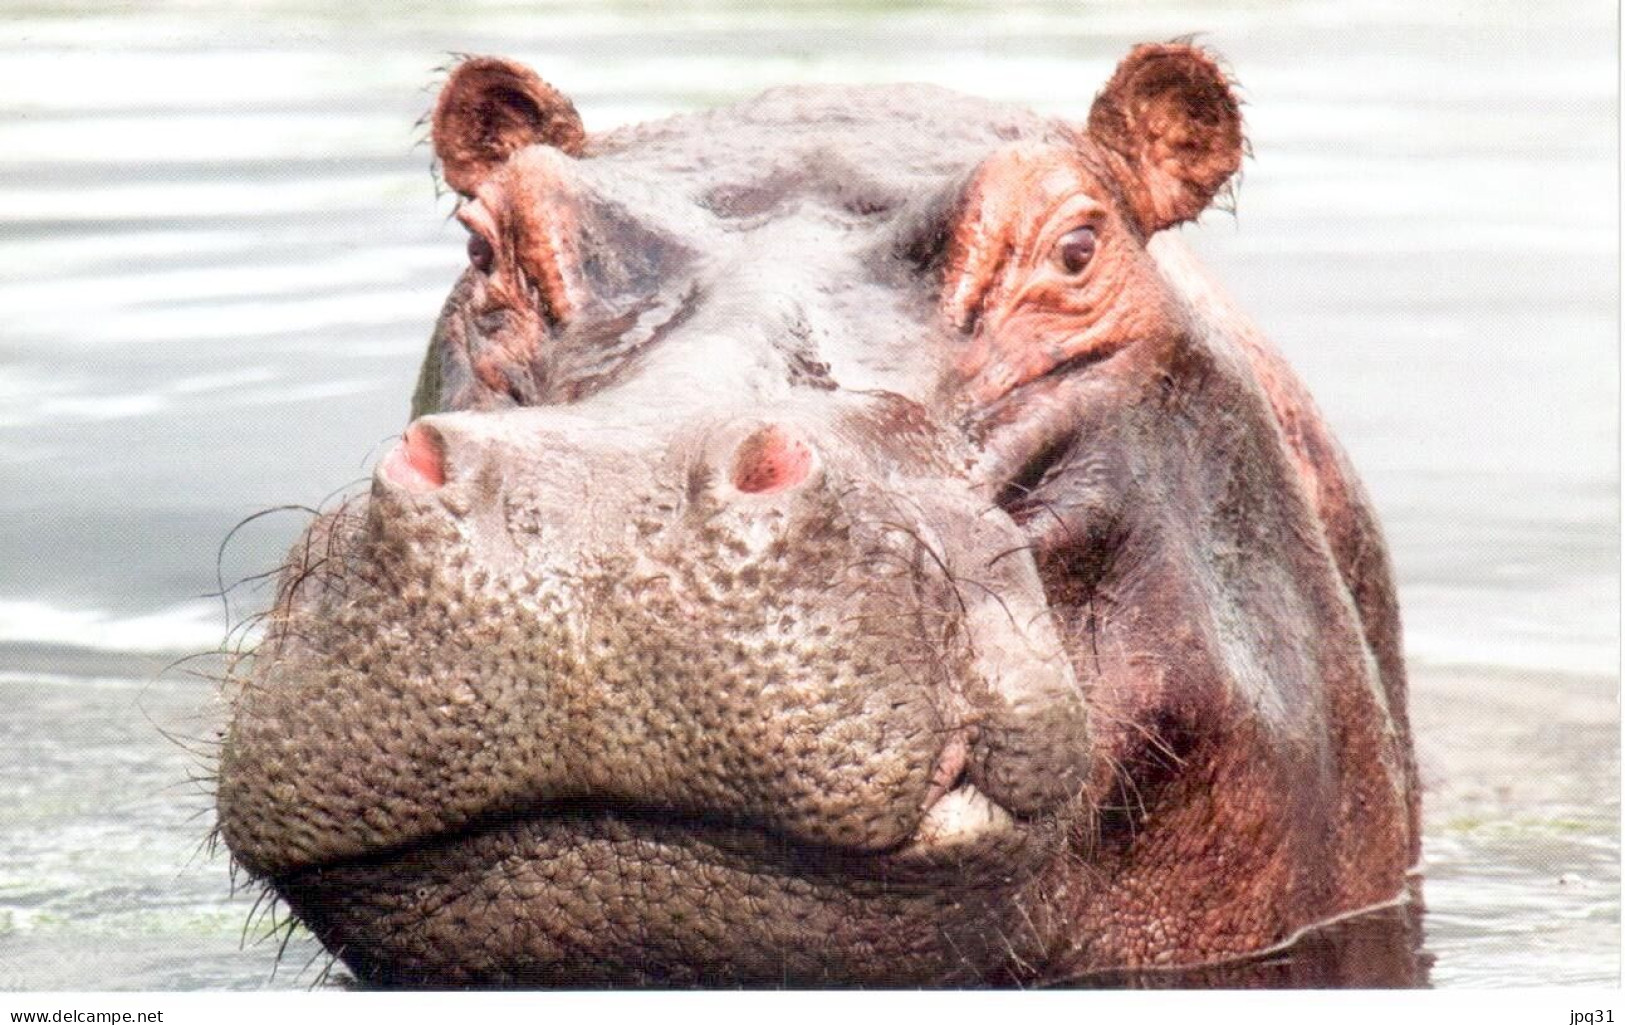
x=1031 y=752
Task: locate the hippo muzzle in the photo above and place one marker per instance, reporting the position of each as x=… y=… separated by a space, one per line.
x=757 y=654
x=833 y=546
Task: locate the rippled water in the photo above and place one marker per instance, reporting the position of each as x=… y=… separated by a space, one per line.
x=223 y=251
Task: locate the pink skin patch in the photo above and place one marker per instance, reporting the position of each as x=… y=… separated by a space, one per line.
x=949 y=765
x=770 y=461
x=415 y=463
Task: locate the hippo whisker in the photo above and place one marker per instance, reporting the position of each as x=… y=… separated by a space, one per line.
x=286 y=929
x=327 y=958
x=322 y=977
x=265 y=904
x=221 y=590
x=1030 y=548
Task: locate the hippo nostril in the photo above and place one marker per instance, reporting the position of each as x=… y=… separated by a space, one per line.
x=416 y=463
x=770 y=460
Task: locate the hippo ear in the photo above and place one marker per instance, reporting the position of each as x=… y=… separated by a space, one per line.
x=1169 y=113
x=488 y=109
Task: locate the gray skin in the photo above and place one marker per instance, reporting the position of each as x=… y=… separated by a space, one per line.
x=725 y=618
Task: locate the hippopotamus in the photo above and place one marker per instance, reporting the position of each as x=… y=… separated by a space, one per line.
x=840 y=539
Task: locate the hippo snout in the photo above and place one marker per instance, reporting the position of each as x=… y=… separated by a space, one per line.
x=731 y=626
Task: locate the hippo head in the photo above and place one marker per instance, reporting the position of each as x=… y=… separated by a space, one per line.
x=834 y=544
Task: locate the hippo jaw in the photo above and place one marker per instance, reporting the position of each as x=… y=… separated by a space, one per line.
x=679 y=904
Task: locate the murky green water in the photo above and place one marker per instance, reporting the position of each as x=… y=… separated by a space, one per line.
x=222 y=253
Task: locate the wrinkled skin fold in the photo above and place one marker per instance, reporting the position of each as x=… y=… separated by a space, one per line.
x=842 y=539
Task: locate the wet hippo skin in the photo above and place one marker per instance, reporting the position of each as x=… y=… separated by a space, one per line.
x=839 y=542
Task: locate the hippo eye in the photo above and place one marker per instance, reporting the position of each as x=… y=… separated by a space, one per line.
x=481 y=255
x=1075 y=249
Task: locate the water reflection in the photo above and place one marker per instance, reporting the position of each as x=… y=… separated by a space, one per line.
x=1377 y=949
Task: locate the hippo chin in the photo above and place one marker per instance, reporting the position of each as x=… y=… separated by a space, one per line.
x=838 y=542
